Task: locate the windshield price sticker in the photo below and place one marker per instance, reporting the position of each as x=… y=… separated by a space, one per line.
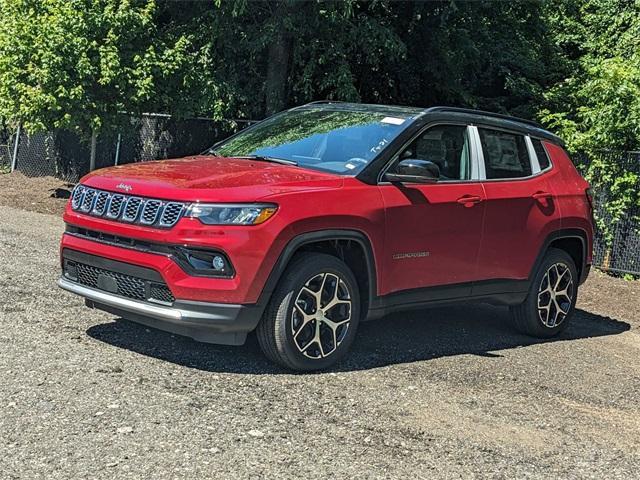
x=393 y=120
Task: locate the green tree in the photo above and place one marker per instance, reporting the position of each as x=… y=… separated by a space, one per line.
x=595 y=107
x=79 y=63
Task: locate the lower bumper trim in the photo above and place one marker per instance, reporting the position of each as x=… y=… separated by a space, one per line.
x=202 y=321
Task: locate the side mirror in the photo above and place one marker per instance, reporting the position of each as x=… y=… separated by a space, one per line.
x=413 y=170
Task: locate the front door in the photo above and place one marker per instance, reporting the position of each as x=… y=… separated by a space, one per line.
x=433 y=231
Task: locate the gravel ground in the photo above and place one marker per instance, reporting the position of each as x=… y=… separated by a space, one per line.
x=445 y=393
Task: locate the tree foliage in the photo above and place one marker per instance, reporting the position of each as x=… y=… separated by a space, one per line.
x=77 y=63
x=595 y=106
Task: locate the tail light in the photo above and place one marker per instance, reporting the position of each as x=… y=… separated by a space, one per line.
x=589 y=194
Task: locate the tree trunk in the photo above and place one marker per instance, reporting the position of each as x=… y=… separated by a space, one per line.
x=277 y=73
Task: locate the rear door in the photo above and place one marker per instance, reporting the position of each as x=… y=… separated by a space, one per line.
x=521 y=208
x=433 y=231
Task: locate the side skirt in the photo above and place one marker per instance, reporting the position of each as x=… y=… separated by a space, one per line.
x=497 y=292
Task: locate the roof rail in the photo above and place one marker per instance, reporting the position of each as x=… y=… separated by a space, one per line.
x=324 y=101
x=486 y=114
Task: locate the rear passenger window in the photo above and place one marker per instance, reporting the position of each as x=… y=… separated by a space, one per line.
x=541 y=153
x=505 y=154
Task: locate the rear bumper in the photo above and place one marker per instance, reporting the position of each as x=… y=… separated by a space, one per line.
x=206 y=322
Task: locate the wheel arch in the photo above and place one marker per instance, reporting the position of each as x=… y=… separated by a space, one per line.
x=329 y=241
x=575 y=242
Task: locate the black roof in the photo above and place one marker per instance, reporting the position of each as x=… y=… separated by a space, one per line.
x=529 y=127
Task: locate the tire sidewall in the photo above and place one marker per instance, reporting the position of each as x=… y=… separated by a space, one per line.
x=552 y=257
x=303 y=269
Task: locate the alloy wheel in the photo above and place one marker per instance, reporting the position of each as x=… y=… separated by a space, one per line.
x=321 y=315
x=555 y=295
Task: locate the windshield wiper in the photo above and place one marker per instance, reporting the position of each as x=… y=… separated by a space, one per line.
x=267 y=158
x=261 y=158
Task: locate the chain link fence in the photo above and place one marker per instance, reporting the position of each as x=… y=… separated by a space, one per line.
x=65 y=155
x=6 y=140
x=616 y=246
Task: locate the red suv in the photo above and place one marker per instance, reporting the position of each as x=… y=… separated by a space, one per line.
x=328 y=214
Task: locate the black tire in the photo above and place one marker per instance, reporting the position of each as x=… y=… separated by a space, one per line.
x=528 y=318
x=275 y=331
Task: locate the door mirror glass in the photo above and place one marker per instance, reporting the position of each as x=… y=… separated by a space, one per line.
x=414 y=170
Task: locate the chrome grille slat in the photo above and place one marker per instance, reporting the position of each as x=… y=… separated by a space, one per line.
x=87 y=200
x=102 y=200
x=126 y=208
x=115 y=206
x=131 y=209
x=77 y=196
x=150 y=212
x=171 y=214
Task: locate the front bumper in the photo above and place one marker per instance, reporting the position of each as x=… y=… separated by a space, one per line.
x=226 y=324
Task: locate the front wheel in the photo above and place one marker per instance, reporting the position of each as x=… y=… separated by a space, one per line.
x=313 y=315
x=552 y=297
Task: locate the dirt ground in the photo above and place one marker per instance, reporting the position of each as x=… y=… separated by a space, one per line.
x=35 y=194
x=442 y=393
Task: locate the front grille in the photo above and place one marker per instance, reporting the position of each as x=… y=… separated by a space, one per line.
x=131 y=209
x=115 y=206
x=117 y=283
x=125 y=208
x=87 y=200
x=160 y=293
x=101 y=203
x=171 y=214
x=150 y=212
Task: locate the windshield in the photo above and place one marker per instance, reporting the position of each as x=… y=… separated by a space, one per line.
x=338 y=141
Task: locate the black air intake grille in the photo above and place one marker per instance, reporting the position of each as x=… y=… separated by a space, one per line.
x=117 y=283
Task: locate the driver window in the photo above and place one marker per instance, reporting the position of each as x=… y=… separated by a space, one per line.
x=445 y=145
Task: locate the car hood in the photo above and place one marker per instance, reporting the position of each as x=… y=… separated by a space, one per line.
x=209 y=178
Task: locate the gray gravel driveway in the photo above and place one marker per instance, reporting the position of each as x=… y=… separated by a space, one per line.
x=444 y=393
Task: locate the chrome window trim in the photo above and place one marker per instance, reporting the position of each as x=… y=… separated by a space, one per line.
x=514 y=179
x=475 y=168
x=533 y=157
x=481 y=172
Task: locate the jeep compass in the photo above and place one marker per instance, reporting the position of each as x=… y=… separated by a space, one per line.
x=325 y=215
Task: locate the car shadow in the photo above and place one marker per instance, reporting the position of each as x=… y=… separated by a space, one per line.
x=407 y=337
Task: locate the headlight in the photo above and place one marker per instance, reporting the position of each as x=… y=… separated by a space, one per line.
x=228 y=214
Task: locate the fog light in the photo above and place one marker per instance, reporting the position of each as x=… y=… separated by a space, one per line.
x=204 y=262
x=218 y=263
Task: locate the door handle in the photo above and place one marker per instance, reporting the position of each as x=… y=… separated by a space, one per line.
x=469 y=200
x=542 y=195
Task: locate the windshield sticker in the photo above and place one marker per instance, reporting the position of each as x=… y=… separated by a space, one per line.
x=393 y=120
x=380 y=146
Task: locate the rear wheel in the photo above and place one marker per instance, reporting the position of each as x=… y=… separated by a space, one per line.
x=552 y=297
x=313 y=314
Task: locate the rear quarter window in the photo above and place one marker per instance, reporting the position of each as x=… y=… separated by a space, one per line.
x=541 y=153
x=505 y=154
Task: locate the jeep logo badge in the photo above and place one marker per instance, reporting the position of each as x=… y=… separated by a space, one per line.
x=124 y=186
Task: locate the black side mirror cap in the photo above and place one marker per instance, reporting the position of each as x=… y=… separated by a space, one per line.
x=413 y=170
